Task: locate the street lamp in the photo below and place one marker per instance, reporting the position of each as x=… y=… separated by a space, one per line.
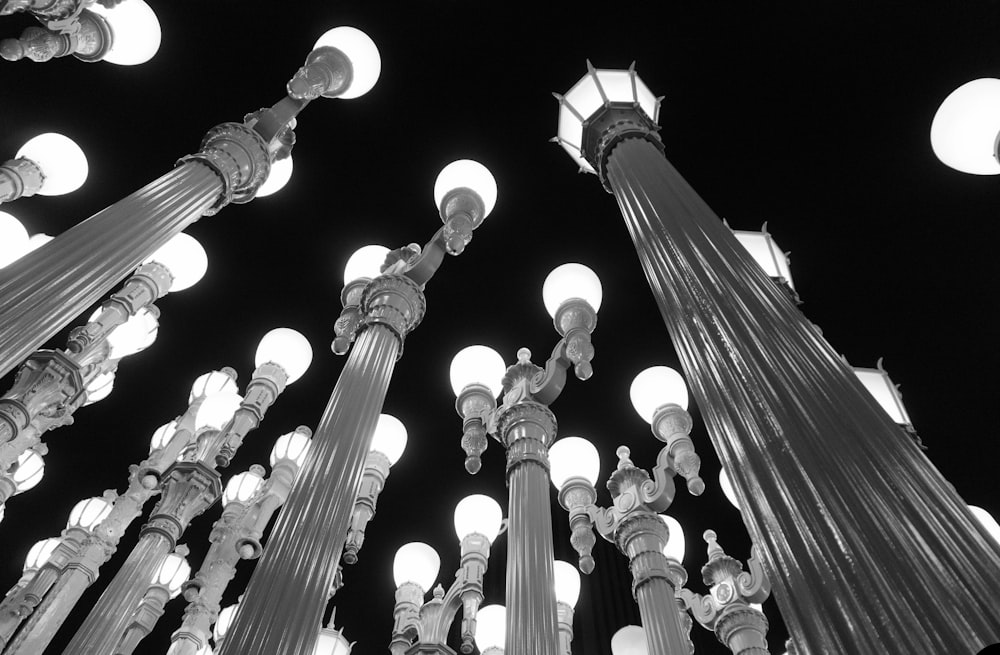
x=491 y=630
x=291 y=584
x=966 y=127
x=526 y=427
x=886 y=394
x=49 y=164
x=166 y=584
x=792 y=426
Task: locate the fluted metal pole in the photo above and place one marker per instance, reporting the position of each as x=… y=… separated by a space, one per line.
x=855 y=523
x=528 y=429
x=287 y=594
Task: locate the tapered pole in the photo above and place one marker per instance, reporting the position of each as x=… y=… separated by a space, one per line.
x=286 y=596
x=836 y=500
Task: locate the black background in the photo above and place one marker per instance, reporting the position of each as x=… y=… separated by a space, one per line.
x=811 y=117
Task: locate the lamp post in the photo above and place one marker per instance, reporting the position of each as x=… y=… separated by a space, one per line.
x=290 y=586
x=422 y=628
x=233 y=162
x=126 y=34
x=192 y=483
x=832 y=497
x=166 y=584
x=61 y=592
x=731 y=608
x=526 y=427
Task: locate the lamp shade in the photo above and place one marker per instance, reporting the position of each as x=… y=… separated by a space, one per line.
x=281 y=172
x=100 y=387
x=162 y=436
x=573 y=457
x=225 y=619
x=389 y=438
x=727 y=489
x=86 y=514
x=331 y=642
x=29 y=470
x=216 y=410
x=293 y=446
x=469 y=174
x=134 y=335
x=965 y=128
x=491 y=627
x=359 y=48
x=184 y=258
x=366 y=262
x=988 y=521
x=655 y=387
x=762 y=247
x=878 y=384
x=567 y=583
x=416 y=562
x=571 y=281
x=288 y=349
x=477 y=365
x=135 y=32
x=173 y=572
x=478 y=514
x=13 y=239
x=630 y=640
x=597 y=88
x=40 y=553
x=211 y=383
x=62 y=162
x=675 y=542
x=242 y=487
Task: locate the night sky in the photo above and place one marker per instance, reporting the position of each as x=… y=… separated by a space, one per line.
x=813 y=118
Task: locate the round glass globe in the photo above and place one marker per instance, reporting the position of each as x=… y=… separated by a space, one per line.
x=100 y=387
x=675 y=542
x=415 y=562
x=184 y=257
x=174 y=571
x=281 y=172
x=292 y=445
x=134 y=335
x=573 y=457
x=29 y=471
x=242 y=487
x=162 y=436
x=567 y=582
x=727 y=489
x=571 y=281
x=389 y=438
x=478 y=514
x=965 y=128
x=477 y=365
x=88 y=513
x=987 y=520
x=491 y=627
x=655 y=387
x=216 y=410
x=40 y=552
x=332 y=642
x=225 y=619
x=211 y=383
x=288 y=349
x=135 y=32
x=362 y=53
x=14 y=239
x=469 y=174
x=630 y=640
x=366 y=262
x=61 y=160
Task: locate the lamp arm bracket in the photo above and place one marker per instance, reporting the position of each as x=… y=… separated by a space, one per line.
x=658 y=492
x=605 y=521
x=702 y=608
x=423 y=267
x=754 y=585
x=546 y=386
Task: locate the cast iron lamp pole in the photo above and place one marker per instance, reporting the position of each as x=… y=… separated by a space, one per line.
x=422 y=628
x=45 y=289
x=287 y=594
x=728 y=610
x=526 y=427
x=832 y=497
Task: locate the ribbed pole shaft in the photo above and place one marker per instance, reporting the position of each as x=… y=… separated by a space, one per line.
x=660 y=620
x=46 y=289
x=857 y=527
x=105 y=626
x=282 y=609
x=532 y=625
